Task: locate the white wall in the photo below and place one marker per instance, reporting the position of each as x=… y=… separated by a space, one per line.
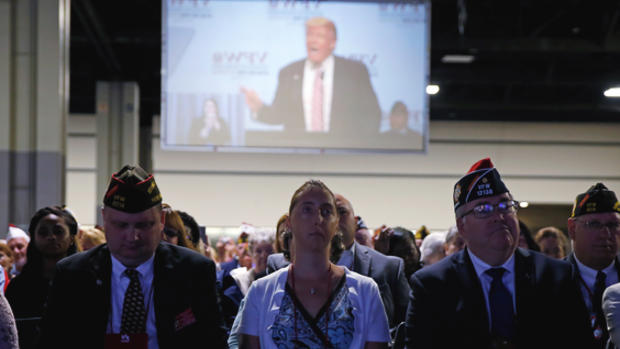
x=540 y=163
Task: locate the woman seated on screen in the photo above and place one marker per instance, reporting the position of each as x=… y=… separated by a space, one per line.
x=313 y=303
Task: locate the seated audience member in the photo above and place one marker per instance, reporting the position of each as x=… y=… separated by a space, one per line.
x=88 y=238
x=6 y=259
x=8 y=330
x=454 y=241
x=493 y=294
x=18 y=241
x=611 y=310
x=235 y=285
x=134 y=291
x=420 y=235
x=399 y=242
x=224 y=248
x=362 y=234
x=432 y=249
x=53 y=232
x=241 y=256
x=174 y=229
x=191 y=227
x=594 y=228
x=313 y=303
x=526 y=240
x=280 y=227
x=552 y=242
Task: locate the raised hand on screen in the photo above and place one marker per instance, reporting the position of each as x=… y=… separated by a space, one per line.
x=251 y=99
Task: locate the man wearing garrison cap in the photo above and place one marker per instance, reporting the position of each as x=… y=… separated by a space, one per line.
x=135 y=291
x=492 y=294
x=594 y=228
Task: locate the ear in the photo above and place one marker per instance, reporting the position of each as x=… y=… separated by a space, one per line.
x=570 y=225
x=460 y=225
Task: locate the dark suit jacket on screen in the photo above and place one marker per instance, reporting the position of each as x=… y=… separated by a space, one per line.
x=387 y=271
x=448 y=310
x=354 y=112
x=79 y=301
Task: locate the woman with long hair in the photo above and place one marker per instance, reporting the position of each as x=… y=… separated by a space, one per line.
x=53 y=231
x=313 y=303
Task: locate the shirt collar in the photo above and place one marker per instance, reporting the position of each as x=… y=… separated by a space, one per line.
x=480 y=266
x=145 y=268
x=325 y=65
x=589 y=273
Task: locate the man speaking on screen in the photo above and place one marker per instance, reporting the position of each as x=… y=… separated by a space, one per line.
x=322 y=93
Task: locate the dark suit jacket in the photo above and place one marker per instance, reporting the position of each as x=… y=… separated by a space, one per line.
x=601 y=343
x=79 y=300
x=354 y=112
x=448 y=310
x=387 y=271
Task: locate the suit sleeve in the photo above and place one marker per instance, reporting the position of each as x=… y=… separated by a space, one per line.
x=274 y=113
x=214 y=329
x=401 y=293
x=420 y=316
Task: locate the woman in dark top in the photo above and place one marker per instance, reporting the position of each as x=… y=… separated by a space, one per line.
x=209 y=128
x=53 y=232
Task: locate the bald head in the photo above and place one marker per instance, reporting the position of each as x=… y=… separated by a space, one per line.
x=347 y=224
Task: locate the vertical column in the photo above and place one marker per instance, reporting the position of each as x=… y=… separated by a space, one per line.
x=117 y=131
x=33 y=106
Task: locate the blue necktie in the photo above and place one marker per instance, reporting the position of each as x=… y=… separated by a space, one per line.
x=500 y=304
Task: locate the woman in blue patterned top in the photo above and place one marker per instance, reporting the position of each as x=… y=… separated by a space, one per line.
x=313 y=303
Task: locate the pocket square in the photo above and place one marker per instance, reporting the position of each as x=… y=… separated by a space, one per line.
x=184 y=319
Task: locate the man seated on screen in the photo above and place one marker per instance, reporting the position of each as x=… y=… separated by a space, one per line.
x=322 y=93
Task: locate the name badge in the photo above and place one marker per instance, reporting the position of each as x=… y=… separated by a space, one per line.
x=126 y=341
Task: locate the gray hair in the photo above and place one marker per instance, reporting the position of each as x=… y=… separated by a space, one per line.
x=261 y=235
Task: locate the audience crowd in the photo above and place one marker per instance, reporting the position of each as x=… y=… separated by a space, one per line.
x=319 y=278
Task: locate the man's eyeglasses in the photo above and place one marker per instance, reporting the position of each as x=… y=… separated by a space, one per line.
x=485 y=210
x=596 y=225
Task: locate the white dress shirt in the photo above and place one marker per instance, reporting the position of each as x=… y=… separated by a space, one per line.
x=485 y=279
x=588 y=276
x=119 y=285
x=310 y=71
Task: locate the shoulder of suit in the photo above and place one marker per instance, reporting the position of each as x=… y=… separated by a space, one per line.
x=174 y=253
x=297 y=66
x=85 y=259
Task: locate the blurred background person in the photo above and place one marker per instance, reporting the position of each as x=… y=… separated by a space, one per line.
x=454 y=241
x=399 y=242
x=53 y=232
x=174 y=229
x=420 y=235
x=399 y=120
x=526 y=239
x=88 y=238
x=432 y=250
x=552 y=242
x=363 y=236
x=280 y=228
x=209 y=128
x=18 y=241
x=224 y=248
x=6 y=259
x=191 y=228
x=236 y=284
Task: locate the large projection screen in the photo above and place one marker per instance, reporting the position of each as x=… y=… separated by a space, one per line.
x=295 y=76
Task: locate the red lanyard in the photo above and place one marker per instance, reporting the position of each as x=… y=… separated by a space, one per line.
x=329 y=279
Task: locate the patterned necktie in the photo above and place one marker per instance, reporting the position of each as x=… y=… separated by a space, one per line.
x=317 y=102
x=597 y=299
x=500 y=303
x=133 y=319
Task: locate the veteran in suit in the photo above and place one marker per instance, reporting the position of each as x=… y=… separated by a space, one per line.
x=387 y=271
x=594 y=228
x=322 y=93
x=134 y=290
x=492 y=294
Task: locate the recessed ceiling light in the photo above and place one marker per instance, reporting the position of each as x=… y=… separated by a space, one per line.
x=461 y=59
x=432 y=89
x=613 y=92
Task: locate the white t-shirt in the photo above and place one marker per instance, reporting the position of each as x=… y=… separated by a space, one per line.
x=262 y=304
